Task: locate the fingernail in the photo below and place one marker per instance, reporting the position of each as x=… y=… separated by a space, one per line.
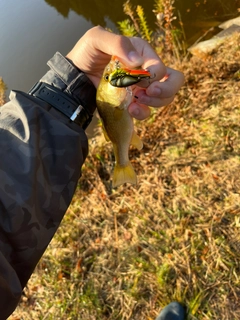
x=135 y=112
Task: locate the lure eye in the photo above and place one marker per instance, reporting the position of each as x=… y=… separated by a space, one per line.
x=106 y=77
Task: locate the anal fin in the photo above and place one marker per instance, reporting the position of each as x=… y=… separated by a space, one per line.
x=136 y=141
x=105 y=132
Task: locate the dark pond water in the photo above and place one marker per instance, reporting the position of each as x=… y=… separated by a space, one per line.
x=32 y=31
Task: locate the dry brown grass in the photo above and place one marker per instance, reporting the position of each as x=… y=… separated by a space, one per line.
x=126 y=253
x=3 y=89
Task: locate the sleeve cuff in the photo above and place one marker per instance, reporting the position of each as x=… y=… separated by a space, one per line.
x=69 y=79
x=63 y=68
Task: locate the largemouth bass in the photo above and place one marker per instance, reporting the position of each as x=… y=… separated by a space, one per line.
x=114 y=94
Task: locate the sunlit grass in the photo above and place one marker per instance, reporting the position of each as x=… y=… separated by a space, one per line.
x=126 y=253
x=3 y=89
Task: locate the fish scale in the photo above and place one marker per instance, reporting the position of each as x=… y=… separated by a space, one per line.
x=117 y=124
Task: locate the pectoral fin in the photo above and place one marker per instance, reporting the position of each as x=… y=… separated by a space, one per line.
x=117 y=113
x=105 y=132
x=136 y=141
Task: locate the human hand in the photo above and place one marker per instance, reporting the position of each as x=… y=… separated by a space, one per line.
x=94 y=50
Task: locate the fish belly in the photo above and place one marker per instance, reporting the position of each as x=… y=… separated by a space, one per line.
x=118 y=127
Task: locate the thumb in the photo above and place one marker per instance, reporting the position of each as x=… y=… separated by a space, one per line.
x=116 y=45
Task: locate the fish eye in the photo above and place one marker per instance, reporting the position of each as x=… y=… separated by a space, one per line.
x=106 y=77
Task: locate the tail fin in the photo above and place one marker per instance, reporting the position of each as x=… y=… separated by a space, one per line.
x=124 y=174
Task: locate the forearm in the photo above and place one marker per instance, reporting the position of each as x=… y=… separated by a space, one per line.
x=42 y=152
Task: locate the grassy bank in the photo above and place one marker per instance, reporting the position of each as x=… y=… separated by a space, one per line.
x=126 y=253
x=3 y=89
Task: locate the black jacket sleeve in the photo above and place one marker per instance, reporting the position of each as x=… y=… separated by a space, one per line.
x=41 y=154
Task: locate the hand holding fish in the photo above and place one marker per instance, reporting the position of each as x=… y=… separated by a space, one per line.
x=94 y=50
x=129 y=77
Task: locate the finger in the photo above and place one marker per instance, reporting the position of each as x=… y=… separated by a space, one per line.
x=144 y=99
x=169 y=87
x=138 y=111
x=160 y=92
x=113 y=44
x=152 y=61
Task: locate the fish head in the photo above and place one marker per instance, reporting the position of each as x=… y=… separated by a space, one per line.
x=107 y=93
x=116 y=82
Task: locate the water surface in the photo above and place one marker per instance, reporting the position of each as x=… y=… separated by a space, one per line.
x=32 y=31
